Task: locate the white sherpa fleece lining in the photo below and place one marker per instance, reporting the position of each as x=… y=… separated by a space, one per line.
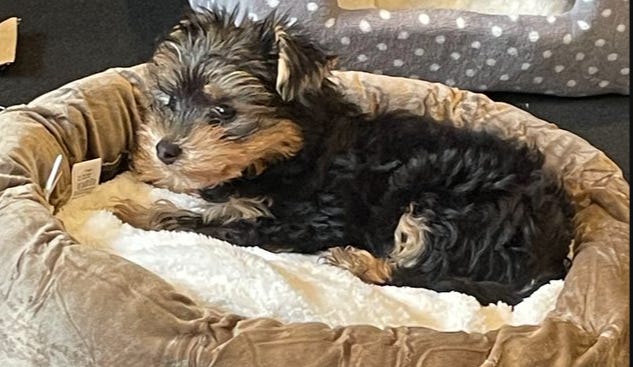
x=252 y=282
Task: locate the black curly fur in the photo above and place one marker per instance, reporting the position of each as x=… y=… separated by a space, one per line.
x=500 y=224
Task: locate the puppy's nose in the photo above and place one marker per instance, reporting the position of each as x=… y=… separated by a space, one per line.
x=167 y=151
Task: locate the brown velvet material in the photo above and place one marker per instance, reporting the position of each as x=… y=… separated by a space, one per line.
x=63 y=304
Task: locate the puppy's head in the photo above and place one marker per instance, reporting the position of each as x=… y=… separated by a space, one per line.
x=220 y=99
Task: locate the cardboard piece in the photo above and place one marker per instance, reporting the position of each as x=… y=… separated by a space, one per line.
x=8 y=40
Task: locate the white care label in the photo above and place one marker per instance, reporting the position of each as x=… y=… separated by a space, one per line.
x=85 y=177
x=53 y=177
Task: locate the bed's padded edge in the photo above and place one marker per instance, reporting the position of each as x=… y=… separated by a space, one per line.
x=64 y=304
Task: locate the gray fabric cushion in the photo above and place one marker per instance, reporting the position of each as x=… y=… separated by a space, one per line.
x=584 y=51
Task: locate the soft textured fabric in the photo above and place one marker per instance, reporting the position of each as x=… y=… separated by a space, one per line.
x=581 y=51
x=63 y=303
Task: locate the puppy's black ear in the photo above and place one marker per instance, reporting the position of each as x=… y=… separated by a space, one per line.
x=302 y=66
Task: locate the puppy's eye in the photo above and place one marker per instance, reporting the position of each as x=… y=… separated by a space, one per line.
x=171 y=103
x=165 y=100
x=224 y=112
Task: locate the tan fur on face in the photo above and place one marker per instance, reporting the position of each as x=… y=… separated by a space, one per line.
x=208 y=157
x=360 y=263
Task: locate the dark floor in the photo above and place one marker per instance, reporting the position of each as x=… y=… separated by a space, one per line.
x=63 y=40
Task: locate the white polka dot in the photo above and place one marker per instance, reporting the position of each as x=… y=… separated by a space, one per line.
x=312 y=6
x=559 y=68
x=362 y=58
x=551 y=19
x=621 y=28
x=384 y=14
x=603 y=83
x=592 y=70
x=461 y=23
x=253 y=16
x=345 y=40
x=377 y=71
x=364 y=26
x=504 y=77
x=440 y=39
x=600 y=42
x=272 y=3
x=567 y=39
x=580 y=56
x=475 y=44
x=434 y=67
x=403 y=35
x=491 y=62
x=455 y=55
x=450 y=82
x=496 y=31
x=533 y=36
x=292 y=21
x=398 y=63
x=419 y=51
x=612 y=57
x=583 y=25
x=537 y=80
x=330 y=23
x=547 y=54
x=525 y=66
x=513 y=17
x=624 y=71
x=512 y=51
x=413 y=76
x=606 y=13
x=424 y=19
x=381 y=46
x=470 y=72
x=517 y=87
x=482 y=87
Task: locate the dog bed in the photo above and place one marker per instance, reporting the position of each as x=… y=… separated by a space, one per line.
x=66 y=302
x=560 y=47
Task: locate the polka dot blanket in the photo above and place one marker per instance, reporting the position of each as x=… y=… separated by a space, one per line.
x=290 y=287
x=557 y=47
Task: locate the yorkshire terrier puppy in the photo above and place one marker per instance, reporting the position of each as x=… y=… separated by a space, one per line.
x=247 y=116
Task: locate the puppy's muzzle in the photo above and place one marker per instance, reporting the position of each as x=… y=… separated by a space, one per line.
x=167 y=151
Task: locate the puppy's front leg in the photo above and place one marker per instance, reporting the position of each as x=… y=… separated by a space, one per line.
x=269 y=233
x=164 y=215
x=161 y=215
x=216 y=221
x=241 y=233
x=243 y=223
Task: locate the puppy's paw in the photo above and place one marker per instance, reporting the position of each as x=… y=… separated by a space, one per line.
x=360 y=263
x=161 y=215
x=177 y=220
